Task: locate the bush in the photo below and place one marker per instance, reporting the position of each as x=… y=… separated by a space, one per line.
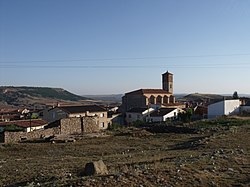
x=13 y=127
x=137 y=123
x=114 y=126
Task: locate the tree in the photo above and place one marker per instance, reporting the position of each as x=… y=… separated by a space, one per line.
x=186 y=116
x=235 y=95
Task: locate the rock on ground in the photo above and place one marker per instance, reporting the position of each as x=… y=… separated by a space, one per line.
x=96 y=168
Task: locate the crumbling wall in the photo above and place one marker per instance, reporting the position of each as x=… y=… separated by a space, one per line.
x=13 y=137
x=71 y=126
x=79 y=125
x=68 y=126
x=90 y=124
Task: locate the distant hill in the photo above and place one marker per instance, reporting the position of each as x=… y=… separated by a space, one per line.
x=25 y=96
x=204 y=97
x=112 y=97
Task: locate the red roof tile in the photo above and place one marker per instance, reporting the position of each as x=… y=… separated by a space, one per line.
x=148 y=91
x=25 y=123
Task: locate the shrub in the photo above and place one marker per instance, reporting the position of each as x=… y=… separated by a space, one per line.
x=13 y=127
x=114 y=126
x=137 y=123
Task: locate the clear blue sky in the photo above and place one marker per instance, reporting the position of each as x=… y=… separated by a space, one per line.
x=116 y=46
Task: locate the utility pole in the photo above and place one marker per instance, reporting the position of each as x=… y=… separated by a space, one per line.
x=30 y=120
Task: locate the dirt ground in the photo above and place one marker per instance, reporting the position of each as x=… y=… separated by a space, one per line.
x=208 y=158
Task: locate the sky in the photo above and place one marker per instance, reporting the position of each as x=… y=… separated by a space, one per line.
x=116 y=46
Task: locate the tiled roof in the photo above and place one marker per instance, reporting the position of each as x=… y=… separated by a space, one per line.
x=25 y=123
x=148 y=91
x=173 y=104
x=161 y=112
x=10 y=117
x=82 y=109
x=137 y=110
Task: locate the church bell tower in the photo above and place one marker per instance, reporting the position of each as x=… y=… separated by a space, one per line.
x=167 y=82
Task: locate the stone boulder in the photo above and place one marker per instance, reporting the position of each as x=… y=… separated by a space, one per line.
x=95 y=168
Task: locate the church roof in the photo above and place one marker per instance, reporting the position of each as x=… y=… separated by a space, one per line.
x=148 y=91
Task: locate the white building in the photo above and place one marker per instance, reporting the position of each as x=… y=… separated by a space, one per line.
x=225 y=107
x=163 y=114
x=135 y=114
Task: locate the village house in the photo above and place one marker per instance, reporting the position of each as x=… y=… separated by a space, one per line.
x=199 y=112
x=224 y=107
x=10 y=114
x=115 y=118
x=24 y=125
x=163 y=114
x=61 y=112
x=136 y=114
x=144 y=98
x=245 y=108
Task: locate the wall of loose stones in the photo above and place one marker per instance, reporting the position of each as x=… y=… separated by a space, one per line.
x=68 y=126
x=79 y=125
x=14 y=137
x=90 y=124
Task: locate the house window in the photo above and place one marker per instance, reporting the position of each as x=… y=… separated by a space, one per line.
x=102 y=124
x=129 y=116
x=102 y=115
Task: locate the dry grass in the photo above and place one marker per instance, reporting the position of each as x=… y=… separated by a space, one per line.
x=210 y=159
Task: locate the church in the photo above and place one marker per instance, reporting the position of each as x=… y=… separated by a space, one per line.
x=145 y=98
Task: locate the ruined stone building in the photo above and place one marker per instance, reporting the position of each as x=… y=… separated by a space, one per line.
x=61 y=112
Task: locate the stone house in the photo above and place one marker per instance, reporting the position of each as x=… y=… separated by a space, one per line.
x=62 y=127
x=11 y=114
x=61 y=112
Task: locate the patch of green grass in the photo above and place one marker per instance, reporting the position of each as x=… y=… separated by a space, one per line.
x=114 y=126
x=220 y=122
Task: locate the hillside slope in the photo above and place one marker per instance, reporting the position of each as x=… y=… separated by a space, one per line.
x=200 y=96
x=19 y=96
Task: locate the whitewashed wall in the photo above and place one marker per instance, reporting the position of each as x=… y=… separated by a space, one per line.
x=172 y=114
x=232 y=107
x=225 y=107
